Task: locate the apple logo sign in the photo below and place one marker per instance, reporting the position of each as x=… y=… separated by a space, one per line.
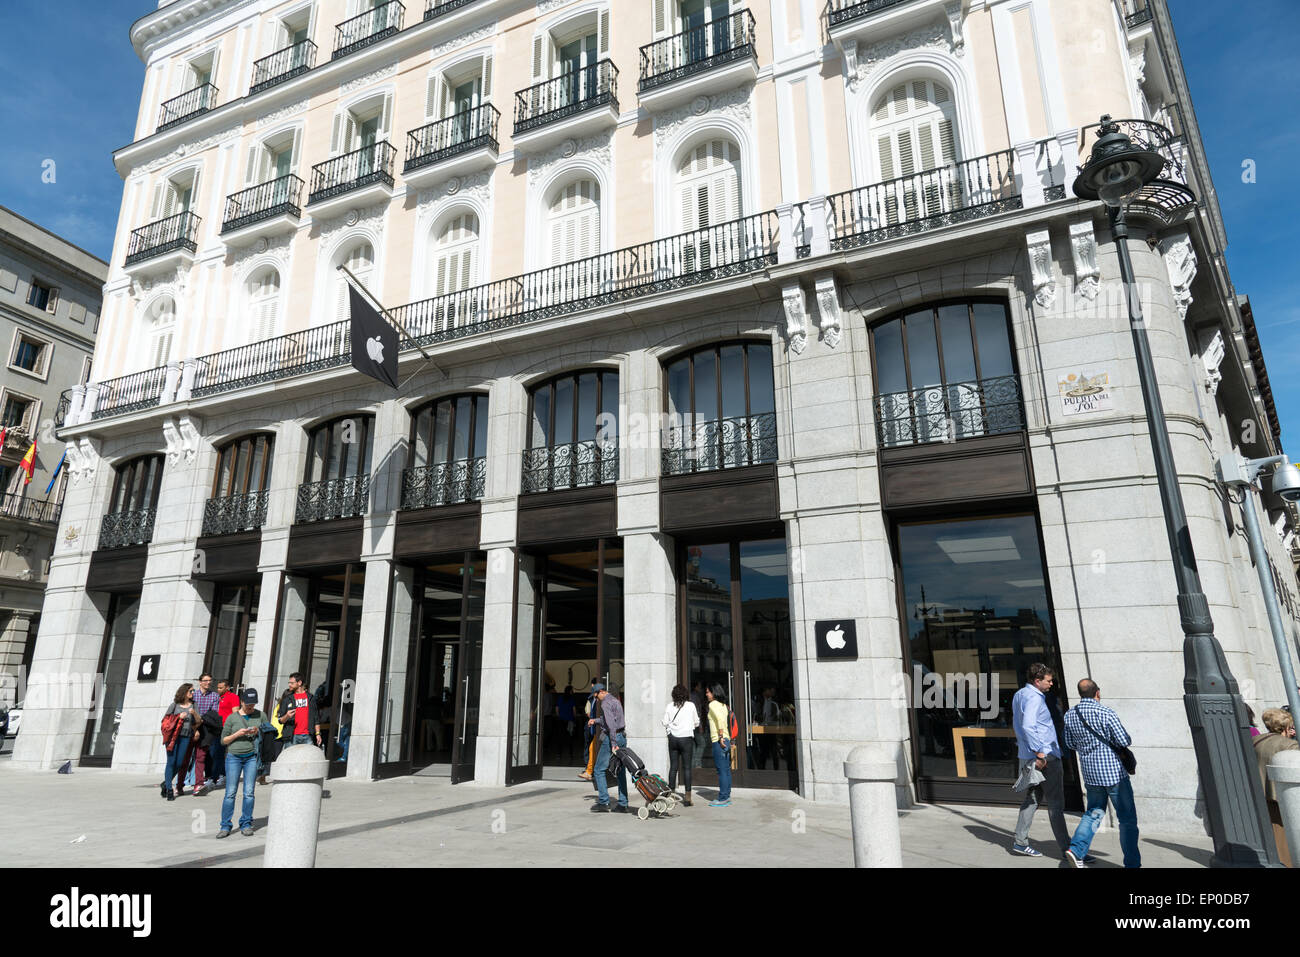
x=836 y=638
x=148 y=668
x=375 y=349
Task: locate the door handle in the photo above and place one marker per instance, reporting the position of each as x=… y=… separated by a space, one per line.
x=749 y=718
x=464 y=715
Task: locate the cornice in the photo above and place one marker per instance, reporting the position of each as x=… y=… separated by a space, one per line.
x=157 y=27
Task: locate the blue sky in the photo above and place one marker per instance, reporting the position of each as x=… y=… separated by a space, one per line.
x=76 y=107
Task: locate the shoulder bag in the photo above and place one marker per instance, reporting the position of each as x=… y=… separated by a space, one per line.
x=1125 y=756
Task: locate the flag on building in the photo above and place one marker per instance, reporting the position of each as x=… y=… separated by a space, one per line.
x=28 y=464
x=374 y=341
x=57 y=469
x=4 y=434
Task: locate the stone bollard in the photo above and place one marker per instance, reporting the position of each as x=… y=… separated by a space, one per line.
x=297 y=778
x=873 y=807
x=1284 y=772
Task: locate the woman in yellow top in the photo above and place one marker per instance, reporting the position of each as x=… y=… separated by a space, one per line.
x=719 y=733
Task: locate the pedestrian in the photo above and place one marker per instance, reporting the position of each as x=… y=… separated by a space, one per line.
x=299 y=716
x=720 y=734
x=227 y=701
x=239 y=735
x=680 y=721
x=567 y=724
x=1280 y=737
x=205 y=700
x=701 y=708
x=181 y=740
x=613 y=735
x=592 y=735
x=1094 y=732
x=1036 y=744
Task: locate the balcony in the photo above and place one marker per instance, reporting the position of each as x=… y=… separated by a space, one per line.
x=163 y=245
x=1136 y=13
x=439 y=8
x=932 y=199
x=367 y=29
x=575 y=465
x=29 y=509
x=949 y=413
x=721 y=444
x=124 y=529
x=460 y=144
x=282 y=65
x=703 y=61
x=190 y=103
x=269 y=209
x=575 y=104
x=129 y=393
x=446 y=483
x=851 y=24
x=1171 y=194
x=333 y=498
x=235 y=513
x=359 y=178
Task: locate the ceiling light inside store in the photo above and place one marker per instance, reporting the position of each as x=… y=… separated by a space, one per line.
x=966 y=551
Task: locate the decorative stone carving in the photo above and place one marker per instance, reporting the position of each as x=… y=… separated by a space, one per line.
x=796 y=316
x=174 y=282
x=478 y=186
x=828 y=309
x=83 y=458
x=953 y=12
x=182 y=435
x=1212 y=358
x=1180 y=261
x=283 y=113
x=733 y=104
x=466 y=38
x=867 y=57
x=356 y=83
x=276 y=247
x=546 y=6
x=1137 y=58
x=185 y=149
x=372 y=217
x=1039 y=243
x=1083 y=245
x=598 y=149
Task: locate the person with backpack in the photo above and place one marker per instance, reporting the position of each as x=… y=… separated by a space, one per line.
x=179 y=725
x=680 y=721
x=721 y=733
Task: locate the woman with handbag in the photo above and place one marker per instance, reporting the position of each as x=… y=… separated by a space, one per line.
x=1280 y=737
x=680 y=721
x=178 y=734
x=720 y=734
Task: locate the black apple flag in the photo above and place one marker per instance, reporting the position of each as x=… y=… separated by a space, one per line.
x=374 y=341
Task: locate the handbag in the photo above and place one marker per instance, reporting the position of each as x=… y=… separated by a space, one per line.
x=1126 y=757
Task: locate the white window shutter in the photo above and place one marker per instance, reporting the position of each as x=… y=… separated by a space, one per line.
x=690 y=222
x=169 y=208
x=433 y=98
x=386 y=118
x=297 y=150
x=485 y=86
x=349 y=133
x=214 y=77
x=539 y=55
x=156 y=206
x=603 y=40
x=53 y=302
x=253 y=168
x=194 y=191
x=336 y=134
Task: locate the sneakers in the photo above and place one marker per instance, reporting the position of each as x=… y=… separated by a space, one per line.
x=1089 y=860
x=1069 y=859
x=221 y=834
x=599 y=808
x=246 y=831
x=1026 y=850
x=200 y=791
x=726 y=803
x=584 y=776
x=621 y=809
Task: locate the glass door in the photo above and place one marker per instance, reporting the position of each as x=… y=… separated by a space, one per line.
x=110 y=691
x=333 y=637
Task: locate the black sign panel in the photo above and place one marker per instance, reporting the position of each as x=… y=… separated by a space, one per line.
x=837 y=638
x=148 y=668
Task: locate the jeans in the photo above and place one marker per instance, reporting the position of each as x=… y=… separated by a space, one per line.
x=602 y=762
x=1051 y=792
x=235 y=763
x=680 y=752
x=722 y=761
x=1121 y=795
x=176 y=761
x=218 y=758
x=200 y=766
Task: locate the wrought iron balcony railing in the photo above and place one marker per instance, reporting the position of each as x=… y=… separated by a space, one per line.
x=576 y=465
x=696 y=50
x=367 y=28
x=29 y=509
x=332 y=498
x=321 y=347
x=342 y=174
x=245 y=512
x=130 y=393
x=964 y=191
x=467 y=130
x=567 y=95
x=1136 y=13
x=282 y=65
x=947 y=413
x=63 y=408
x=720 y=444
x=122 y=529
x=190 y=103
x=1171 y=192
x=166 y=235
x=252 y=205
x=437 y=8
x=844 y=11
x=445 y=483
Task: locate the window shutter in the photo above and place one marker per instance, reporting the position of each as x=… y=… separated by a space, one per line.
x=252 y=169
x=156 y=207
x=906 y=161
x=194 y=192
x=900 y=99
x=947 y=143
x=169 y=207
x=335 y=134
x=44 y=354
x=603 y=41
x=433 y=97
x=349 y=134
x=485 y=87
x=690 y=222
x=386 y=118
x=214 y=77
x=53 y=302
x=661 y=18
x=297 y=150
x=539 y=43
x=885 y=150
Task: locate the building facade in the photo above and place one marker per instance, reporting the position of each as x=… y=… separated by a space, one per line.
x=50 y=294
x=761 y=345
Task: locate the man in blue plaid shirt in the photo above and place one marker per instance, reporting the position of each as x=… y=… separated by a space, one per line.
x=1090 y=729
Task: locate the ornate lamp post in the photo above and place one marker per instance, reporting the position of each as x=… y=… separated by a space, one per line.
x=1118 y=172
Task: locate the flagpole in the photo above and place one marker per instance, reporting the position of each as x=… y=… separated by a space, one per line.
x=391 y=318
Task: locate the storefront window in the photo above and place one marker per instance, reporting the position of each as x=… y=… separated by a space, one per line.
x=101 y=734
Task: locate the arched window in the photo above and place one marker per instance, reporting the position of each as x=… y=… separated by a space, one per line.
x=161 y=319
x=573 y=432
x=945 y=372
x=448 y=452
x=914 y=130
x=263 y=304
x=455 y=254
x=708 y=185
x=722 y=408
x=133 y=504
x=336 y=481
x=574 y=222
x=360 y=259
x=239 y=486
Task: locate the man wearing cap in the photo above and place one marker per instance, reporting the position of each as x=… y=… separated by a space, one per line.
x=614 y=728
x=239 y=735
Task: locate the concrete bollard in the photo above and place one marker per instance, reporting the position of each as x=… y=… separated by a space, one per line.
x=1284 y=772
x=297 y=778
x=873 y=807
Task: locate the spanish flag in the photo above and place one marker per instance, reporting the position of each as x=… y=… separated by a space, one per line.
x=28 y=464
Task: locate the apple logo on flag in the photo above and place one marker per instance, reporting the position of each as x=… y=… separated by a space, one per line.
x=375 y=348
x=147 y=667
x=835 y=637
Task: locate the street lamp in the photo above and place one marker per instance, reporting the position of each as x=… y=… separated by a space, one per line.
x=1117 y=172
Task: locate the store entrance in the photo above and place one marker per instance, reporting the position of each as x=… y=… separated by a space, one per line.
x=331 y=639
x=569 y=635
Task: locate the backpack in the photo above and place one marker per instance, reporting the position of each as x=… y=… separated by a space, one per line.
x=171 y=729
x=733 y=727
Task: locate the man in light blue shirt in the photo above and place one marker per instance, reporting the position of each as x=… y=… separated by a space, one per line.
x=1036 y=742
